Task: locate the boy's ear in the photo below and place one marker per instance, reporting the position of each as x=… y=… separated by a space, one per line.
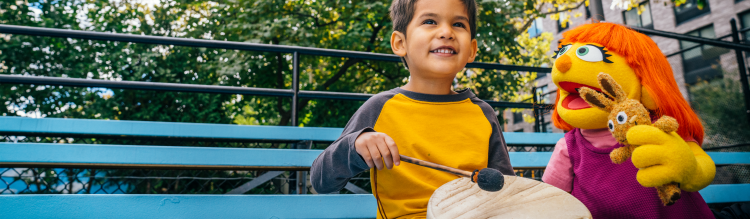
x=474 y=50
x=398 y=43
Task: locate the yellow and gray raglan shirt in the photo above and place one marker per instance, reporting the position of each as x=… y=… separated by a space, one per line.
x=458 y=130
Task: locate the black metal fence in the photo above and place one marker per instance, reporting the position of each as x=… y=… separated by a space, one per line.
x=142 y=181
x=714 y=72
x=715 y=75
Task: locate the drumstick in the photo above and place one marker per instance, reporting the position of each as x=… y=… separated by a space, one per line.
x=488 y=179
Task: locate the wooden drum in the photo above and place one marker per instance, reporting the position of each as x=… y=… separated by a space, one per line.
x=519 y=198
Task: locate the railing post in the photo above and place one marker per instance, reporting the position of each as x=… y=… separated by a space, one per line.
x=742 y=69
x=295 y=86
x=302 y=175
x=596 y=9
x=535 y=109
x=543 y=127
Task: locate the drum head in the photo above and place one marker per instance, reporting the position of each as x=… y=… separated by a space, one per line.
x=519 y=198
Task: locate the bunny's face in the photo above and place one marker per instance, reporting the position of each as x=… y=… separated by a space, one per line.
x=624 y=116
x=624 y=112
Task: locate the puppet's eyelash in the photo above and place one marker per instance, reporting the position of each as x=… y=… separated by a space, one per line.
x=557 y=52
x=605 y=53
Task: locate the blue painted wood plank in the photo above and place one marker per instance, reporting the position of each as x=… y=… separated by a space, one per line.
x=541 y=159
x=523 y=138
x=222 y=158
x=179 y=157
x=122 y=155
x=726 y=158
x=724 y=193
x=201 y=130
x=529 y=159
x=164 y=129
x=235 y=206
x=188 y=206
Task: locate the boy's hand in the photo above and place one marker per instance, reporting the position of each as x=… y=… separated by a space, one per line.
x=373 y=146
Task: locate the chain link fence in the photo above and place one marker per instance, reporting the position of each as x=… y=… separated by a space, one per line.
x=145 y=181
x=21 y=180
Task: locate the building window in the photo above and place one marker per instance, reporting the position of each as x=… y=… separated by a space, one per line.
x=548 y=127
x=543 y=89
x=701 y=62
x=536 y=28
x=644 y=20
x=560 y=27
x=690 y=10
x=745 y=23
x=517 y=117
x=541 y=93
x=550 y=97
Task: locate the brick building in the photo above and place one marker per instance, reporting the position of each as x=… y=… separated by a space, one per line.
x=690 y=62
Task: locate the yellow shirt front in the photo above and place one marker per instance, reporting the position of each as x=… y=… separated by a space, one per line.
x=458 y=130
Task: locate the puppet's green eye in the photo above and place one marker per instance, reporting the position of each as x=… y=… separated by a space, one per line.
x=590 y=53
x=582 y=51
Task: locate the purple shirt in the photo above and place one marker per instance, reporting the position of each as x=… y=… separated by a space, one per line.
x=611 y=190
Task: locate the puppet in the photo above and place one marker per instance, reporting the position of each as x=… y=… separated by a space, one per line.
x=625 y=113
x=581 y=163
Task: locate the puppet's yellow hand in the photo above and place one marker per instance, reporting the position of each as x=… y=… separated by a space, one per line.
x=661 y=157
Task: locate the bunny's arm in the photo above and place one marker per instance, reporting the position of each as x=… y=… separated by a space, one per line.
x=704 y=171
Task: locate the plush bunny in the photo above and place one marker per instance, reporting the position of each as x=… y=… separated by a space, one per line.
x=624 y=114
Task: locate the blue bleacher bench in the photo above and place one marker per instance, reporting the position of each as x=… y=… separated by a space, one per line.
x=219 y=206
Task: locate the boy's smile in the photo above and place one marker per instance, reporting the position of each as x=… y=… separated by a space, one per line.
x=438 y=41
x=445 y=51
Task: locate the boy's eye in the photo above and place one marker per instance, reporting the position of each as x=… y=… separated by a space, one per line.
x=429 y=22
x=459 y=25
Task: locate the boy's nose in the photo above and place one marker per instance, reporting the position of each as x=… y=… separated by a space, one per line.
x=563 y=63
x=446 y=33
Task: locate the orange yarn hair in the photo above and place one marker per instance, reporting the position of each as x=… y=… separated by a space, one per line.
x=649 y=64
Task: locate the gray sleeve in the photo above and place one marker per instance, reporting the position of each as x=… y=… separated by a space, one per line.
x=498 y=153
x=340 y=161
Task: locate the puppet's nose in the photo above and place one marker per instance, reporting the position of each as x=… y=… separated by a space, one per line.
x=563 y=64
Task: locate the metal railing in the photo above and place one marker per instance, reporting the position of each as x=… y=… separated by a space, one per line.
x=295 y=93
x=736 y=45
x=183 y=182
x=210 y=185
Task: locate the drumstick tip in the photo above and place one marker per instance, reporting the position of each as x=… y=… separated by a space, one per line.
x=490 y=179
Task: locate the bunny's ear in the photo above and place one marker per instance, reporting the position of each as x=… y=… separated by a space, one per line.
x=596 y=99
x=610 y=86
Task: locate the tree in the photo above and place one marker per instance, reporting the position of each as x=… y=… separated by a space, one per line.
x=324 y=24
x=333 y=24
x=716 y=103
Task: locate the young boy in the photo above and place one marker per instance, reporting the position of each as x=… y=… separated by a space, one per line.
x=424 y=119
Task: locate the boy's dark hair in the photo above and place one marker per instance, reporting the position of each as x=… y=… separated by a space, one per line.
x=402 y=11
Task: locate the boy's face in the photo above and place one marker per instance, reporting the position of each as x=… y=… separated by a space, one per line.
x=438 y=41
